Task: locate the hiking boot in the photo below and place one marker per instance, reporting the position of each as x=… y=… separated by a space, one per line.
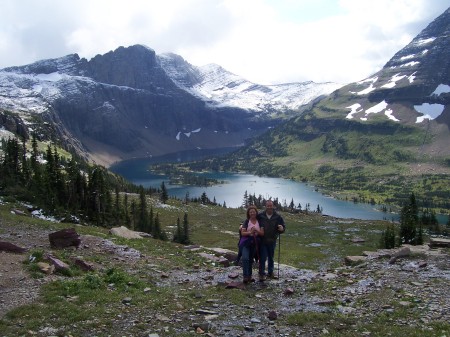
x=246 y=279
x=262 y=278
x=271 y=276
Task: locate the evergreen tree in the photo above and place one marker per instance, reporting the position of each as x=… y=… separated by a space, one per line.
x=117 y=215
x=156 y=232
x=204 y=198
x=388 y=239
x=186 y=237
x=126 y=210
x=99 y=196
x=164 y=194
x=245 y=202
x=177 y=237
x=133 y=214
x=409 y=222
x=142 y=224
x=151 y=220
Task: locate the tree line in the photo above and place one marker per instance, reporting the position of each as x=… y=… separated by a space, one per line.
x=413 y=226
x=77 y=192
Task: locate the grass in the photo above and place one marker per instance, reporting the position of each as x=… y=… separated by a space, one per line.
x=83 y=303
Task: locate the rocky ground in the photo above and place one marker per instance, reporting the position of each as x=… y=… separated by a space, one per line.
x=417 y=282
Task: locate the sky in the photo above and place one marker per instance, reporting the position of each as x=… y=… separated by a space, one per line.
x=263 y=41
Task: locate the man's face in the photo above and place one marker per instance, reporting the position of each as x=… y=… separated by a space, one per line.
x=269 y=207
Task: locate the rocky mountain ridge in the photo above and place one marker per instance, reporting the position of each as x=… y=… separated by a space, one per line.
x=128 y=103
x=219 y=87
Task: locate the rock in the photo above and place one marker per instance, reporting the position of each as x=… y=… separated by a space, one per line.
x=124 y=232
x=439 y=242
x=357 y=240
x=127 y=300
x=59 y=265
x=11 y=248
x=235 y=285
x=204 y=326
x=354 y=260
x=18 y=212
x=233 y=275
x=272 y=315
x=205 y=312
x=402 y=252
x=46 y=268
x=64 y=238
x=83 y=265
x=288 y=291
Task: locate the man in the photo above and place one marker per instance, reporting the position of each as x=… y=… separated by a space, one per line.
x=273 y=225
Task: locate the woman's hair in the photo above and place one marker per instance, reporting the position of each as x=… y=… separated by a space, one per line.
x=249 y=208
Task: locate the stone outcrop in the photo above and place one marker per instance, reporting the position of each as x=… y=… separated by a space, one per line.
x=11 y=248
x=64 y=238
x=124 y=232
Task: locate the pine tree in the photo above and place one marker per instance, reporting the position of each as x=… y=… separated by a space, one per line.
x=177 y=237
x=409 y=221
x=186 y=238
x=126 y=210
x=204 y=198
x=156 y=232
x=142 y=224
x=164 y=194
x=245 y=201
x=388 y=238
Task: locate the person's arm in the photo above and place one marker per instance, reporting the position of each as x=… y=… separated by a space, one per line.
x=281 y=225
x=244 y=229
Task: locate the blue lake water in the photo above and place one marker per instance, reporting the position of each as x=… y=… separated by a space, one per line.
x=232 y=191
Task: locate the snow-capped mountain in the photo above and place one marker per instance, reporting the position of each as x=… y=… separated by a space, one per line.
x=221 y=88
x=401 y=114
x=414 y=85
x=132 y=103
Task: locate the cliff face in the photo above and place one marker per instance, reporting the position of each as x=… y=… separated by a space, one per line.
x=123 y=103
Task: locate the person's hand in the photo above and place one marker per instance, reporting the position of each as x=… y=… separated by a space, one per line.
x=280 y=228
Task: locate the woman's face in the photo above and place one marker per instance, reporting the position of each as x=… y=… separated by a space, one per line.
x=252 y=213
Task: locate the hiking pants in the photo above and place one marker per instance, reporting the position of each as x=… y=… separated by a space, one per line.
x=267 y=253
x=247 y=260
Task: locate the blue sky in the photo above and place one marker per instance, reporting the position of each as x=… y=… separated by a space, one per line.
x=264 y=41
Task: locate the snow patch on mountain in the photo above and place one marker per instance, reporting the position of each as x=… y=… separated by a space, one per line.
x=441 y=89
x=428 y=111
x=221 y=88
x=356 y=108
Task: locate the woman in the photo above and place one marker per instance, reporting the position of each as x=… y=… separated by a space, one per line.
x=249 y=242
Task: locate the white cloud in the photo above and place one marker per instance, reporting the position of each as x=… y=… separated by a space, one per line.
x=265 y=41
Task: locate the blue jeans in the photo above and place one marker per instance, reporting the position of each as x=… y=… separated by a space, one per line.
x=267 y=253
x=247 y=260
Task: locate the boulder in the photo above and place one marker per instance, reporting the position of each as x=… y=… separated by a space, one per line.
x=83 y=264
x=124 y=232
x=59 y=265
x=439 y=242
x=64 y=238
x=401 y=252
x=354 y=260
x=11 y=248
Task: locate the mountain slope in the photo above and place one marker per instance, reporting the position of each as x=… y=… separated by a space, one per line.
x=218 y=87
x=378 y=139
x=126 y=103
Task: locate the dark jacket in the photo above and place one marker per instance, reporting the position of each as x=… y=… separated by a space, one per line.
x=270 y=226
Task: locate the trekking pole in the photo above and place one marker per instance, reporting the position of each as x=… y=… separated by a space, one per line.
x=279 y=249
x=257 y=249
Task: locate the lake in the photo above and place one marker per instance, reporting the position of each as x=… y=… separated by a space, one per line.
x=232 y=191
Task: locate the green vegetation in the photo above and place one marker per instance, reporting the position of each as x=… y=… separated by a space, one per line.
x=377 y=162
x=79 y=302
